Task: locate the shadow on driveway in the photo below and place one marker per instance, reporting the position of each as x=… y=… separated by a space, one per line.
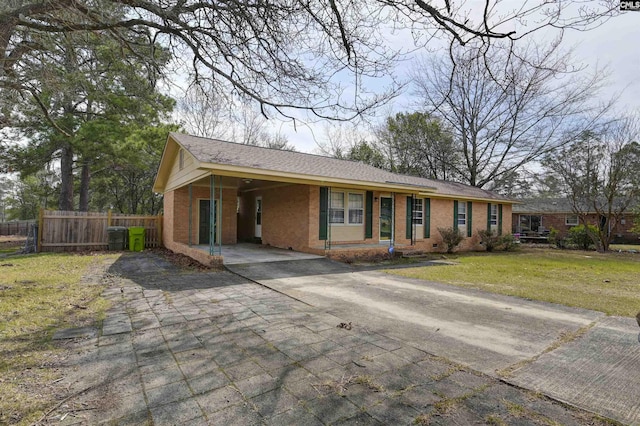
x=206 y=348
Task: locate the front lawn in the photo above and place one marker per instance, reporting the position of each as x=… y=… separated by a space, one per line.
x=608 y=282
x=38 y=295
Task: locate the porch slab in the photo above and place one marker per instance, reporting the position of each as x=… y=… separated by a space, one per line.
x=255 y=253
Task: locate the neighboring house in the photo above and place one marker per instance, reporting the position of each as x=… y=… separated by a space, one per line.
x=308 y=203
x=535 y=217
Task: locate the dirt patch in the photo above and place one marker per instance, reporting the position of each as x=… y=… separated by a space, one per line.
x=181 y=261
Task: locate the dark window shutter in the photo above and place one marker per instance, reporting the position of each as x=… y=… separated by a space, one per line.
x=499 y=219
x=455 y=214
x=469 y=218
x=409 y=218
x=427 y=218
x=324 y=212
x=368 y=224
x=488 y=216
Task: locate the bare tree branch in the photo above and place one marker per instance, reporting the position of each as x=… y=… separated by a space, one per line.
x=508 y=106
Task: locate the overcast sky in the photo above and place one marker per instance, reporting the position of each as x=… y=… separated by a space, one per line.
x=615 y=45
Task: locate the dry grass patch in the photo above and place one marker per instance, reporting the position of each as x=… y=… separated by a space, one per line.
x=39 y=294
x=602 y=282
x=10 y=245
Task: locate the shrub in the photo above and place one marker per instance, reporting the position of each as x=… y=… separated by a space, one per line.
x=451 y=238
x=489 y=239
x=556 y=239
x=492 y=241
x=508 y=242
x=579 y=237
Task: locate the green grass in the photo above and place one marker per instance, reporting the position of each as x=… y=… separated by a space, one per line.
x=39 y=294
x=602 y=282
x=625 y=247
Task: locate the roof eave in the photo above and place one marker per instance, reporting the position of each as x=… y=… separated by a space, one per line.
x=253 y=173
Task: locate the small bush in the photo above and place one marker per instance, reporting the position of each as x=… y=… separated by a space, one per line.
x=492 y=241
x=489 y=239
x=556 y=239
x=579 y=237
x=451 y=238
x=508 y=242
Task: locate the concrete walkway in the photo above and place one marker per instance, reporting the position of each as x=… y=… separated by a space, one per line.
x=214 y=348
x=498 y=335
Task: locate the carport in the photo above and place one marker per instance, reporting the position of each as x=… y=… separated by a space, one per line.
x=240 y=253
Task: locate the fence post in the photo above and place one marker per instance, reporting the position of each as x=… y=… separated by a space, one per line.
x=109 y=217
x=40 y=226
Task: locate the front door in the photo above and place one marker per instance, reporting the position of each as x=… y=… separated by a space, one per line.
x=258 y=233
x=386 y=218
x=204 y=221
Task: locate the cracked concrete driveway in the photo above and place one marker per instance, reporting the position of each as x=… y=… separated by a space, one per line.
x=575 y=355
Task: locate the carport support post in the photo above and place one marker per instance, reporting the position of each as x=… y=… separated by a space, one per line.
x=215 y=219
x=414 y=227
x=327 y=242
x=219 y=218
x=212 y=214
x=393 y=219
x=190 y=211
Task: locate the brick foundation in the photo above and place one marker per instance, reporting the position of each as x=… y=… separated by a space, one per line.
x=195 y=254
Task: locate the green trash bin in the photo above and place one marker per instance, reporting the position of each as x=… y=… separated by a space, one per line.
x=117 y=237
x=136 y=238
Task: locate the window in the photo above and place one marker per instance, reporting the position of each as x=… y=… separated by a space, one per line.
x=336 y=208
x=571 y=220
x=494 y=215
x=417 y=211
x=529 y=223
x=356 y=208
x=462 y=213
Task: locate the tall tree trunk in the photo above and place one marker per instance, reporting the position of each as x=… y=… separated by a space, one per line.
x=66 y=178
x=85 y=177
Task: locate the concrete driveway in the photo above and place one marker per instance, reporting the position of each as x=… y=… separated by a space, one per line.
x=575 y=355
x=212 y=348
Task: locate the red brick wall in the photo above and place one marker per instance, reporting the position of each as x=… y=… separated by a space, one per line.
x=180 y=208
x=285 y=216
x=176 y=207
x=194 y=253
x=442 y=217
x=168 y=220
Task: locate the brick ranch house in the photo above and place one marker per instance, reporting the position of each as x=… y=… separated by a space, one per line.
x=533 y=218
x=220 y=193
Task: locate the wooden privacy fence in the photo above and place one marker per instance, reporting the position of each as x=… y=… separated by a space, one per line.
x=17 y=227
x=74 y=231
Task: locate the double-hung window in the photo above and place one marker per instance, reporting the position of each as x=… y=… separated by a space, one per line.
x=353 y=203
x=494 y=215
x=418 y=211
x=356 y=208
x=336 y=208
x=462 y=213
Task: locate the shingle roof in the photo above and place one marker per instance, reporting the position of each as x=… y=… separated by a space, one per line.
x=556 y=205
x=229 y=153
x=543 y=205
